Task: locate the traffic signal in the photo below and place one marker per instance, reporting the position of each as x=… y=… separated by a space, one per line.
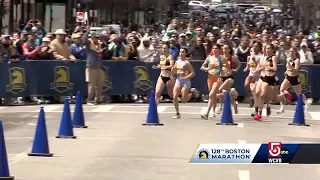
x=80 y=4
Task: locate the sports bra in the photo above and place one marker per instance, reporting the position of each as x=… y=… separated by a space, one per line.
x=215 y=63
x=164 y=61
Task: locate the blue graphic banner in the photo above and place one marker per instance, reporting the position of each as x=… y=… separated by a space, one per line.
x=55 y=78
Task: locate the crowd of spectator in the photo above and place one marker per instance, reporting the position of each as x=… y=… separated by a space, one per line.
x=34 y=43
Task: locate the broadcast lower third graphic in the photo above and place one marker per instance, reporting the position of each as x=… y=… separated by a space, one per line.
x=273 y=152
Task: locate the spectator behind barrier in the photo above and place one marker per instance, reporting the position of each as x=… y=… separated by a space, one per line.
x=36 y=26
x=61 y=48
x=77 y=48
x=94 y=72
x=316 y=54
x=118 y=49
x=7 y=50
x=46 y=50
x=19 y=42
x=305 y=55
x=173 y=49
x=133 y=48
x=144 y=50
x=198 y=51
x=155 y=49
x=30 y=49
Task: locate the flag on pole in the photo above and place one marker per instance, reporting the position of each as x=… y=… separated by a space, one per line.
x=86 y=18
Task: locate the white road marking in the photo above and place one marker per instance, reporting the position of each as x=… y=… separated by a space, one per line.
x=83 y=138
x=103 y=109
x=242 y=142
x=15 y=123
x=244 y=175
x=161 y=109
x=24 y=116
x=51 y=108
x=240 y=125
x=107 y=138
x=144 y=112
x=19 y=157
x=18 y=138
x=2 y=108
x=31 y=124
x=315 y=115
x=47 y=117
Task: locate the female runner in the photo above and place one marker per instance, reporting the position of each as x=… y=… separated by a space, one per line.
x=227 y=77
x=253 y=77
x=291 y=79
x=213 y=65
x=185 y=72
x=267 y=79
x=165 y=79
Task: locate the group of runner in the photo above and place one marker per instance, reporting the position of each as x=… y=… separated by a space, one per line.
x=262 y=82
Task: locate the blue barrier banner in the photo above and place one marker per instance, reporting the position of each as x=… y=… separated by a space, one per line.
x=58 y=78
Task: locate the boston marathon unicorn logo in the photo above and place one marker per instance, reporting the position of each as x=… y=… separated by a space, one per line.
x=203 y=154
x=17 y=80
x=107 y=84
x=142 y=78
x=61 y=82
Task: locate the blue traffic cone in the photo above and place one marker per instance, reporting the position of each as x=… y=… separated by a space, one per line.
x=4 y=167
x=78 y=117
x=152 y=118
x=40 y=143
x=66 y=129
x=226 y=118
x=299 y=119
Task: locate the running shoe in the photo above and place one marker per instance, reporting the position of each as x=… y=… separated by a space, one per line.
x=268 y=110
x=280 y=111
x=177 y=116
x=205 y=117
x=219 y=110
x=257 y=117
x=253 y=114
x=288 y=96
x=213 y=115
x=195 y=92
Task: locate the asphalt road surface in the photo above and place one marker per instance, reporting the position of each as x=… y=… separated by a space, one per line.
x=117 y=147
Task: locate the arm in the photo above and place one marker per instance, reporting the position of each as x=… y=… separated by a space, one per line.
x=191 y=70
x=145 y=56
x=26 y=52
x=259 y=67
x=246 y=69
x=297 y=62
x=74 y=50
x=126 y=54
x=85 y=39
x=174 y=68
x=71 y=57
x=204 y=66
x=236 y=60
